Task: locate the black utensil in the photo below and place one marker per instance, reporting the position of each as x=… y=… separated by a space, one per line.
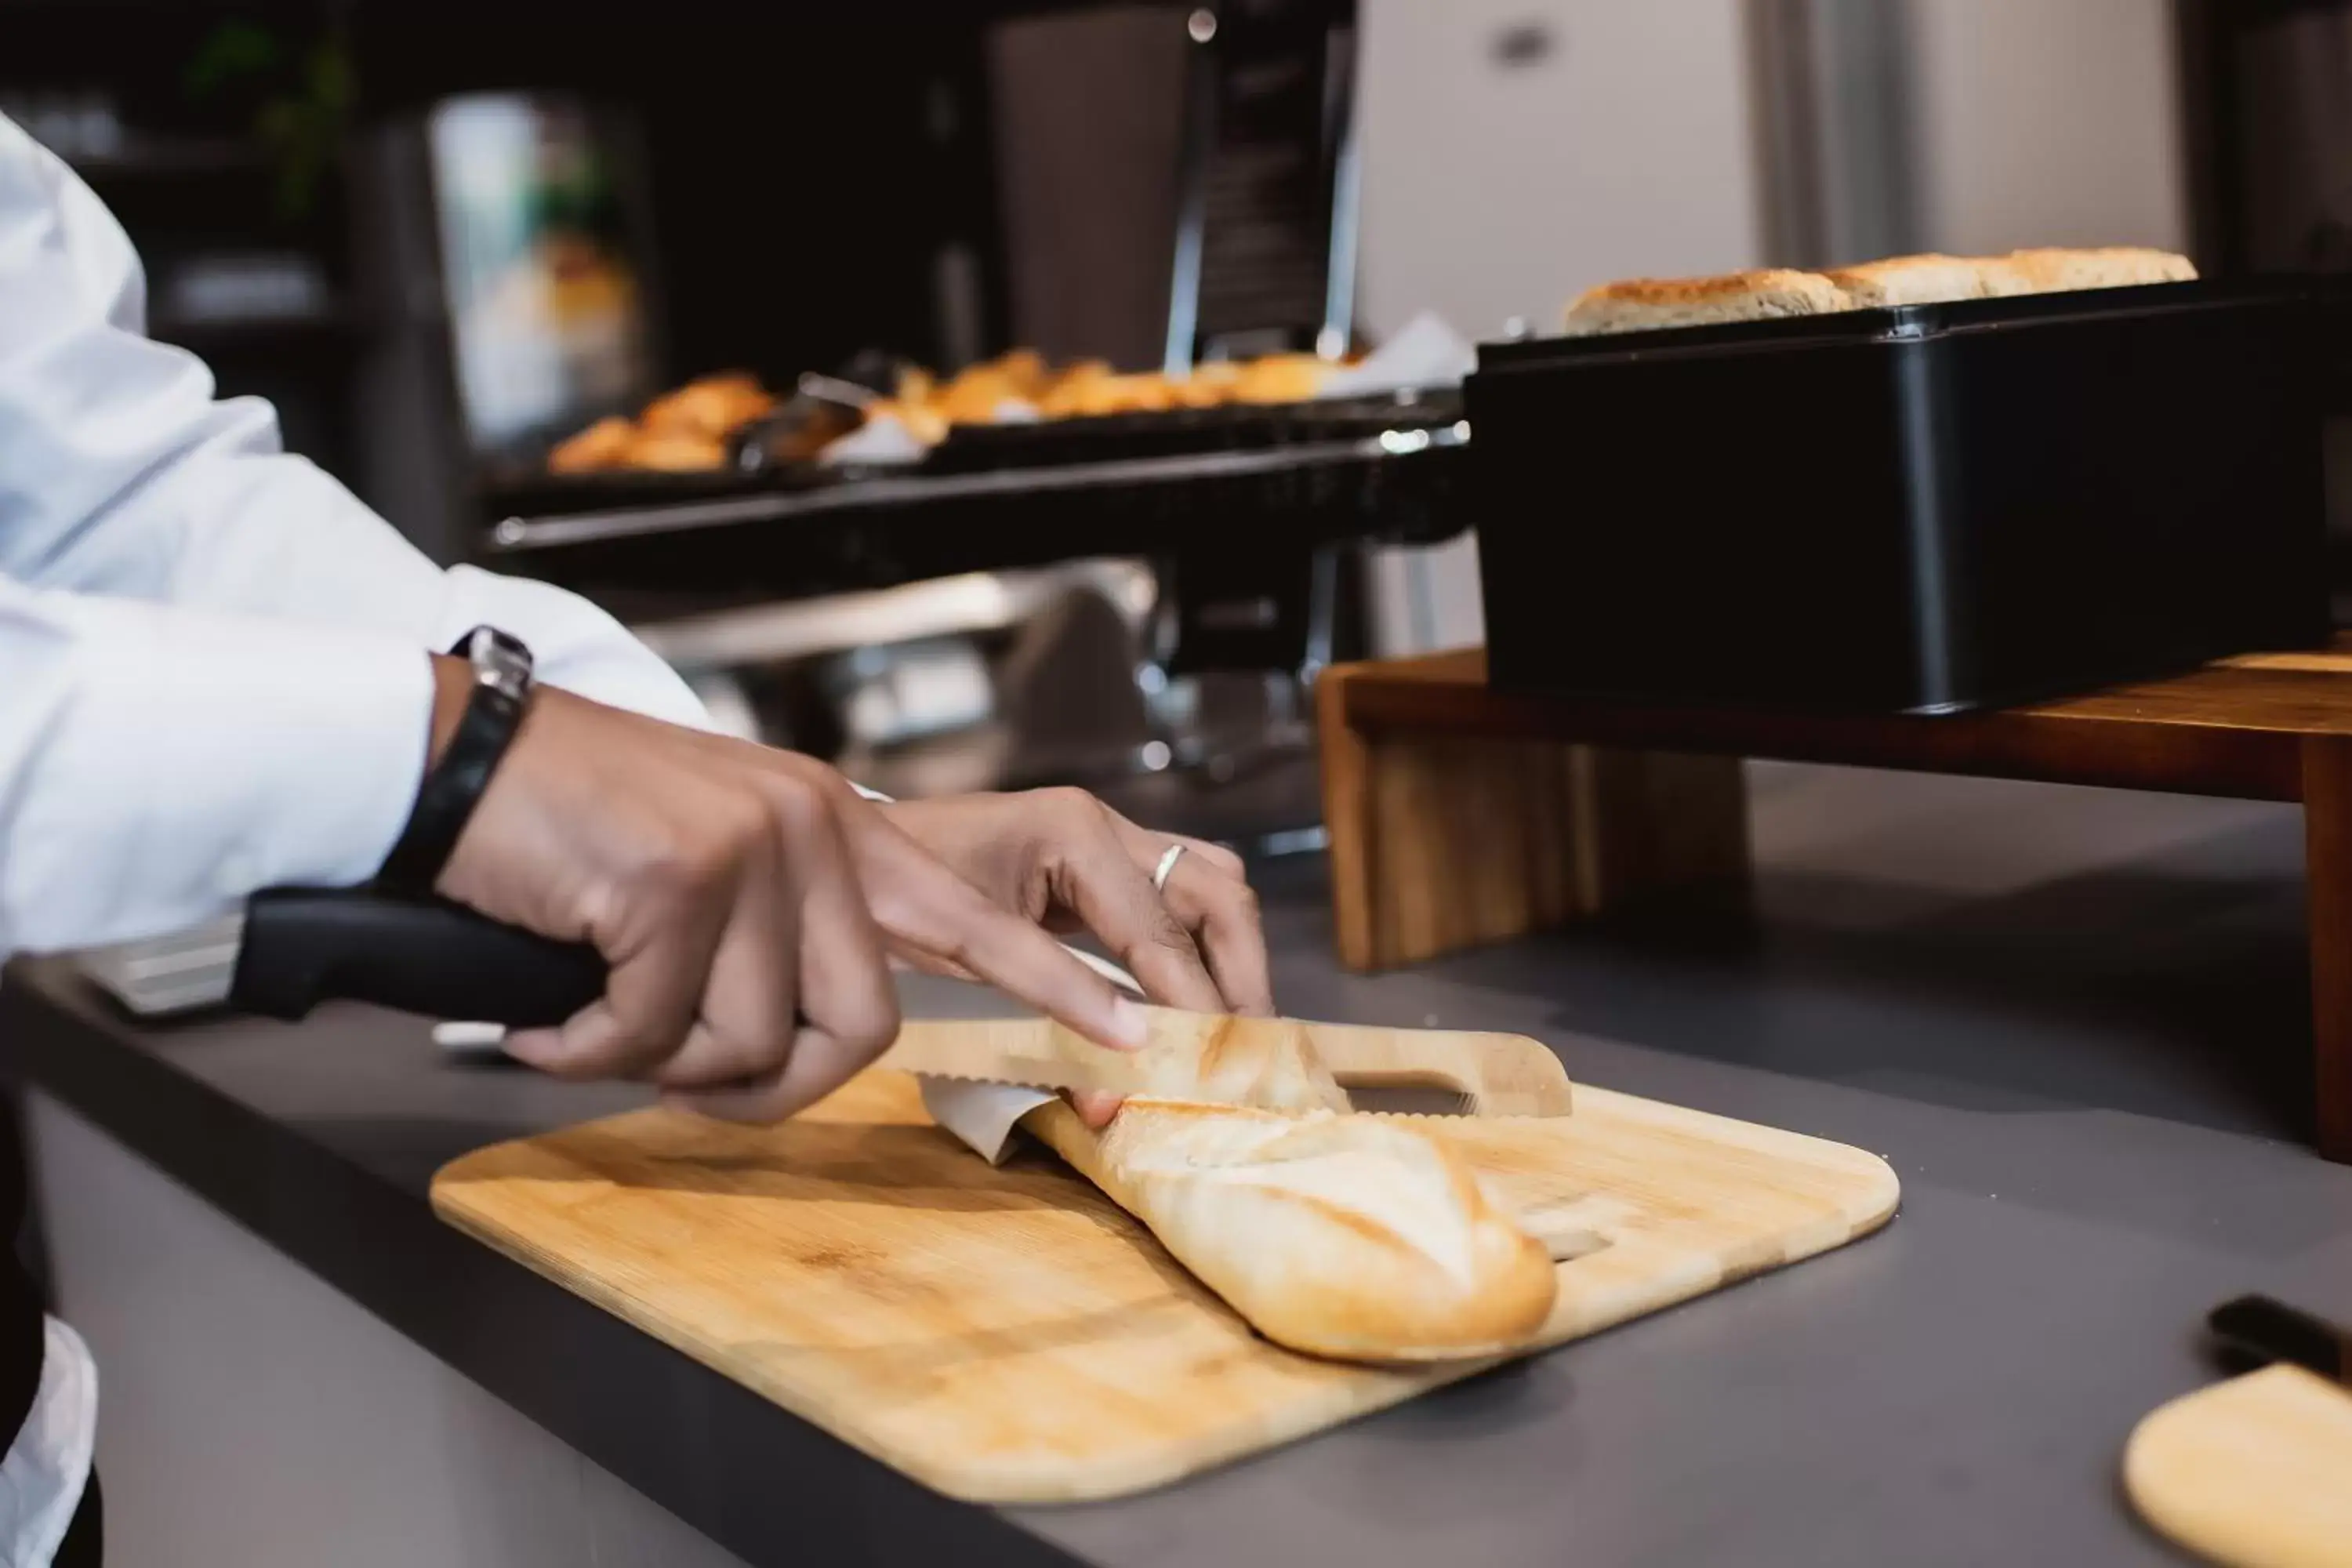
x=302 y=946
x=2263 y=1330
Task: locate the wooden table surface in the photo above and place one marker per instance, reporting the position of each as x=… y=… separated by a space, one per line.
x=2232 y=729
x=1409 y=743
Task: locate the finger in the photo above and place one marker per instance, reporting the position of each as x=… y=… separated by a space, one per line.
x=1095 y=1110
x=846 y=994
x=750 y=1005
x=710 y=1058
x=1223 y=913
x=1207 y=889
x=1146 y=846
x=852 y=1007
x=1095 y=875
x=905 y=954
x=1202 y=852
x=772 y=1096
x=925 y=908
x=653 y=989
x=535 y=1048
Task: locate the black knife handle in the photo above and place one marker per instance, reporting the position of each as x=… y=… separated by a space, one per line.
x=2265 y=1330
x=303 y=946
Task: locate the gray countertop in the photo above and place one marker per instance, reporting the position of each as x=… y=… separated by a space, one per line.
x=2075 y=1021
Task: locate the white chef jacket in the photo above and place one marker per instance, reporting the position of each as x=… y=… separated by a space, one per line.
x=212 y=663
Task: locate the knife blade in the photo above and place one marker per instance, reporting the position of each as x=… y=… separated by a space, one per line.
x=2265 y=1330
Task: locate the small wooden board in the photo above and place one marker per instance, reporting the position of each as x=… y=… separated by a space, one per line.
x=1009 y=1335
x=2255 y=1472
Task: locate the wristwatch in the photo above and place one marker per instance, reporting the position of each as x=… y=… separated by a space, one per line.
x=453 y=786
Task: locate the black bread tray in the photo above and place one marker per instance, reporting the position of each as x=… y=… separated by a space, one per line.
x=1924 y=510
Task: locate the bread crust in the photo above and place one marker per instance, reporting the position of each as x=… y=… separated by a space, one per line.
x=1347 y=1236
x=603 y=444
x=674 y=452
x=1268 y=1063
x=1640 y=304
x=1929 y=280
x=1648 y=304
x=715 y=406
x=2051 y=272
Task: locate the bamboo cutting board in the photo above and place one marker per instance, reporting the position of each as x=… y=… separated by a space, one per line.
x=2255 y=1472
x=1010 y=1335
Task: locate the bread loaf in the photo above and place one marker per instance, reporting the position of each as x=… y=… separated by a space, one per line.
x=1909 y=280
x=1644 y=304
x=1652 y=304
x=674 y=452
x=1347 y=1236
x=2052 y=271
x=1281 y=378
x=1208 y=1059
x=714 y=407
x=603 y=444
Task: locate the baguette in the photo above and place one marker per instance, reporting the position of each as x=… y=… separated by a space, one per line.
x=713 y=408
x=1280 y=378
x=603 y=444
x=1646 y=304
x=1650 y=305
x=1270 y=1064
x=674 y=452
x=1909 y=280
x=2055 y=271
x=1346 y=1236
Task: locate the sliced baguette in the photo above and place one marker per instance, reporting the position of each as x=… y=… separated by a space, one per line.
x=1909 y=280
x=1346 y=1236
x=2051 y=271
x=1646 y=304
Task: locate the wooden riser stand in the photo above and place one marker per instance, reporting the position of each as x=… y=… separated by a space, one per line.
x=1440 y=843
x=1461 y=815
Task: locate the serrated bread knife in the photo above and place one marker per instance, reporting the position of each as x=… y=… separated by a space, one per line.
x=295 y=949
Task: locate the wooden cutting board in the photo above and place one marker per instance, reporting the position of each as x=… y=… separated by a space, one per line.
x=1009 y=1335
x=2255 y=1472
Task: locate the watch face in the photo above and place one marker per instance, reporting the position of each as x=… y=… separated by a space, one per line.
x=499 y=661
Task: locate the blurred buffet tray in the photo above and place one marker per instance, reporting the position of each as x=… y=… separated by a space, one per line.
x=1269 y=480
x=1179 y=431
x=531 y=494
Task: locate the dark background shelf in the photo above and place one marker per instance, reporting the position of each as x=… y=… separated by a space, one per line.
x=879 y=532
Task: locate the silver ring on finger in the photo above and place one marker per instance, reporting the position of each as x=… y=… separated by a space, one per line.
x=1167 y=864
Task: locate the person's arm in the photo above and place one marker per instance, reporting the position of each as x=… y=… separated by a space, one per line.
x=157 y=764
x=120 y=474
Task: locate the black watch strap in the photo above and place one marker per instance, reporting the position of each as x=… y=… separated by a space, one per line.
x=453 y=786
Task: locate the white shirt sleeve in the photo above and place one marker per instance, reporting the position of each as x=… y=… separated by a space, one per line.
x=120 y=474
x=158 y=764
x=211 y=654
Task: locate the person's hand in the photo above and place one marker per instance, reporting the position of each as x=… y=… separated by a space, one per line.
x=1063 y=860
x=743 y=898
x=1059 y=860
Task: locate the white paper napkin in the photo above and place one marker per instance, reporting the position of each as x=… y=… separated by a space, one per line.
x=882 y=441
x=982 y=1114
x=1426 y=352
